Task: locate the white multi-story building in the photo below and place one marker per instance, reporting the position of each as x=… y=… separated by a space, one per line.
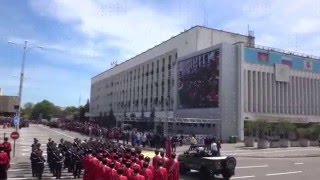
x=209 y=81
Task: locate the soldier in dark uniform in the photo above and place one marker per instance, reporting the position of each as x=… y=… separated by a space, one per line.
x=39 y=163
x=33 y=158
x=68 y=163
x=58 y=161
x=35 y=142
x=78 y=157
x=49 y=153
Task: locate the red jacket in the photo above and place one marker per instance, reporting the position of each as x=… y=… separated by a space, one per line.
x=172 y=167
x=147 y=173
x=122 y=178
x=128 y=173
x=86 y=165
x=114 y=174
x=4 y=159
x=137 y=177
x=107 y=173
x=160 y=174
x=155 y=160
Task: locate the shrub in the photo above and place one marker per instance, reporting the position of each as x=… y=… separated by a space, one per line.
x=313 y=132
x=262 y=127
x=302 y=133
x=284 y=128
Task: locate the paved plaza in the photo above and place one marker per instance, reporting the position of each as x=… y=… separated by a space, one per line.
x=274 y=164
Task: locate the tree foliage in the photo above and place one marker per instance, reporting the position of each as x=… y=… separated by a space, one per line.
x=83 y=110
x=46 y=109
x=27 y=110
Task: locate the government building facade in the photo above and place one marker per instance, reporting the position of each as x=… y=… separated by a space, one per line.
x=208 y=81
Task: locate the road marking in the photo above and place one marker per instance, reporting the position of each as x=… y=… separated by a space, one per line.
x=242 y=177
x=298 y=163
x=249 y=167
x=14 y=170
x=58 y=132
x=268 y=152
x=18 y=178
x=284 y=173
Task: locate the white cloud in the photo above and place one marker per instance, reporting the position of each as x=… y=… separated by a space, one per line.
x=282 y=24
x=133 y=27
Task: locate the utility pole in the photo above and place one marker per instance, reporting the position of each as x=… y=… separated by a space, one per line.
x=21 y=81
x=25 y=51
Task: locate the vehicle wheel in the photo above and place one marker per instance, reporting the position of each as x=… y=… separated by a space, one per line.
x=205 y=175
x=226 y=175
x=183 y=169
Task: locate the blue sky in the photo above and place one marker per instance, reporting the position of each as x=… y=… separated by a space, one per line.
x=82 y=37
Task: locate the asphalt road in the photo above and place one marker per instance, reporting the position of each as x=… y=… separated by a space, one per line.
x=306 y=168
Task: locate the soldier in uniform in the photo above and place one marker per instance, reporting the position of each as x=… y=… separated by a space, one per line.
x=49 y=153
x=39 y=163
x=58 y=161
x=33 y=158
x=78 y=158
x=35 y=142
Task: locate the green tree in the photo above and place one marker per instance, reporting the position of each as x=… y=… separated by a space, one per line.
x=284 y=128
x=27 y=110
x=262 y=127
x=47 y=109
x=71 y=110
x=83 y=110
x=112 y=119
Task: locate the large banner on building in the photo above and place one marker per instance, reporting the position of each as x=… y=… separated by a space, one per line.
x=198 y=81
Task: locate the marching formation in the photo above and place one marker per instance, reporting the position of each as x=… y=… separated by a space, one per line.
x=102 y=161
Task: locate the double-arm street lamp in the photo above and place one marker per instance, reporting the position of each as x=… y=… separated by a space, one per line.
x=26 y=49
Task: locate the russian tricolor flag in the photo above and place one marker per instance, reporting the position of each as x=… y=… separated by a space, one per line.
x=287 y=61
x=263 y=56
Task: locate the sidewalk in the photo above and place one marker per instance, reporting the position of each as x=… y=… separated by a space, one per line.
x=239 y=150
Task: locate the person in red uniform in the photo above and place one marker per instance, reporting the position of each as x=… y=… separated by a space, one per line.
x=169 y=147
x=7 y=146
x=87 y=165
x=160 y=172
x=164 y=159
x=121 y=176
x=147 y=172
x=147 y=160
x=117 y=164
x=114 y=173
x=106 y=170
x=134 y=164
x=172 y=167
x=4 y=163
x=156 y=158
x=94 y=168
x=141 y=160
x=128 y=171
x=100 y=169
x=136 y=175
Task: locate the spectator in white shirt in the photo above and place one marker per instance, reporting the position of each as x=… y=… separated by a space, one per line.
x=214 y=149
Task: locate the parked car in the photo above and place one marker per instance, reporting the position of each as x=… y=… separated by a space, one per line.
x=201 y=159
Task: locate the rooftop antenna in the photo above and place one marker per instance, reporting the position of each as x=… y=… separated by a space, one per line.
x=250 y=36
x=205 y=15
x=114 y=63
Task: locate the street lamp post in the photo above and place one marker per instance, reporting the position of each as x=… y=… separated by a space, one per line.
x=25 y=51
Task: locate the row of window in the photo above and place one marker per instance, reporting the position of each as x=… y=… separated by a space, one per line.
x=263 y=94
x=127 y=89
